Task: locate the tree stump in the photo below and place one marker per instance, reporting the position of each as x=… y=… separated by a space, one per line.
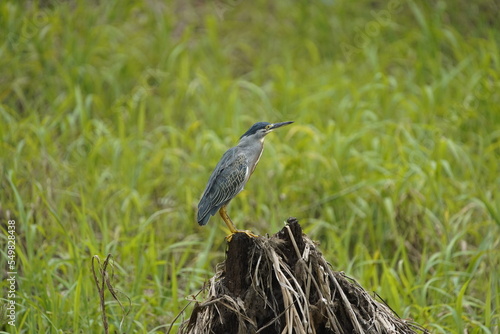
x=282 y=284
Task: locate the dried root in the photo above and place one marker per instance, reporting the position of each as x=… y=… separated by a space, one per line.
x=282 y=284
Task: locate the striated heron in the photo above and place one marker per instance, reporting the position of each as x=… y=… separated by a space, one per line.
x=232 y=173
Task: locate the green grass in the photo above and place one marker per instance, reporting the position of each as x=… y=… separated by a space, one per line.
x=113 y=114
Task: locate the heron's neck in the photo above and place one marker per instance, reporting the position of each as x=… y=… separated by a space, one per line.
x=253 y=150
x=252 y=146
x=249 y=142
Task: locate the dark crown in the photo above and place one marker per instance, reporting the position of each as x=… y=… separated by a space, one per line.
x=255 y=128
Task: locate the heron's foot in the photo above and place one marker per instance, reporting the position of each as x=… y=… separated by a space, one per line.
x=247 y=232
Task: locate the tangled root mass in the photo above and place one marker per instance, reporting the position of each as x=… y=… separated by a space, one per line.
x=282 y=284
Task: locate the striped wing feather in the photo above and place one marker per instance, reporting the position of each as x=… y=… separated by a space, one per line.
x=226 y=181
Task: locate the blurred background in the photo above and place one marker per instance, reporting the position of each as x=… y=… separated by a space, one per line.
x=114 y=113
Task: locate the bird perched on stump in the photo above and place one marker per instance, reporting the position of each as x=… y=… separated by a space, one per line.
x=232 y=173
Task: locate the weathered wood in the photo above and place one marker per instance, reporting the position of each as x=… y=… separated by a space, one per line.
x=282 y=284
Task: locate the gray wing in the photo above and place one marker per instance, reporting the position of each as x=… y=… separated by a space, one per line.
x=226 y=181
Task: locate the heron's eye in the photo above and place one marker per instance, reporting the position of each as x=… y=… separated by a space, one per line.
x=268 y=127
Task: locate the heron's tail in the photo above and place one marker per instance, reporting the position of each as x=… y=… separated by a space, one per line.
x=203 y=220
x=205 y=213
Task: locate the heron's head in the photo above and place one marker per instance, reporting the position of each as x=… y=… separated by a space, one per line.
x=259 y=130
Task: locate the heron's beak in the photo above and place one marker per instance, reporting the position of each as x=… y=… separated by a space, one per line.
x=278 y=125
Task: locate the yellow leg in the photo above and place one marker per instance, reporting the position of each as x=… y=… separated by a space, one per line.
x=230 y=225
x=227 y=220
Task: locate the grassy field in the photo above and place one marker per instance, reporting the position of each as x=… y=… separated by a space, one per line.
x=113 y=114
